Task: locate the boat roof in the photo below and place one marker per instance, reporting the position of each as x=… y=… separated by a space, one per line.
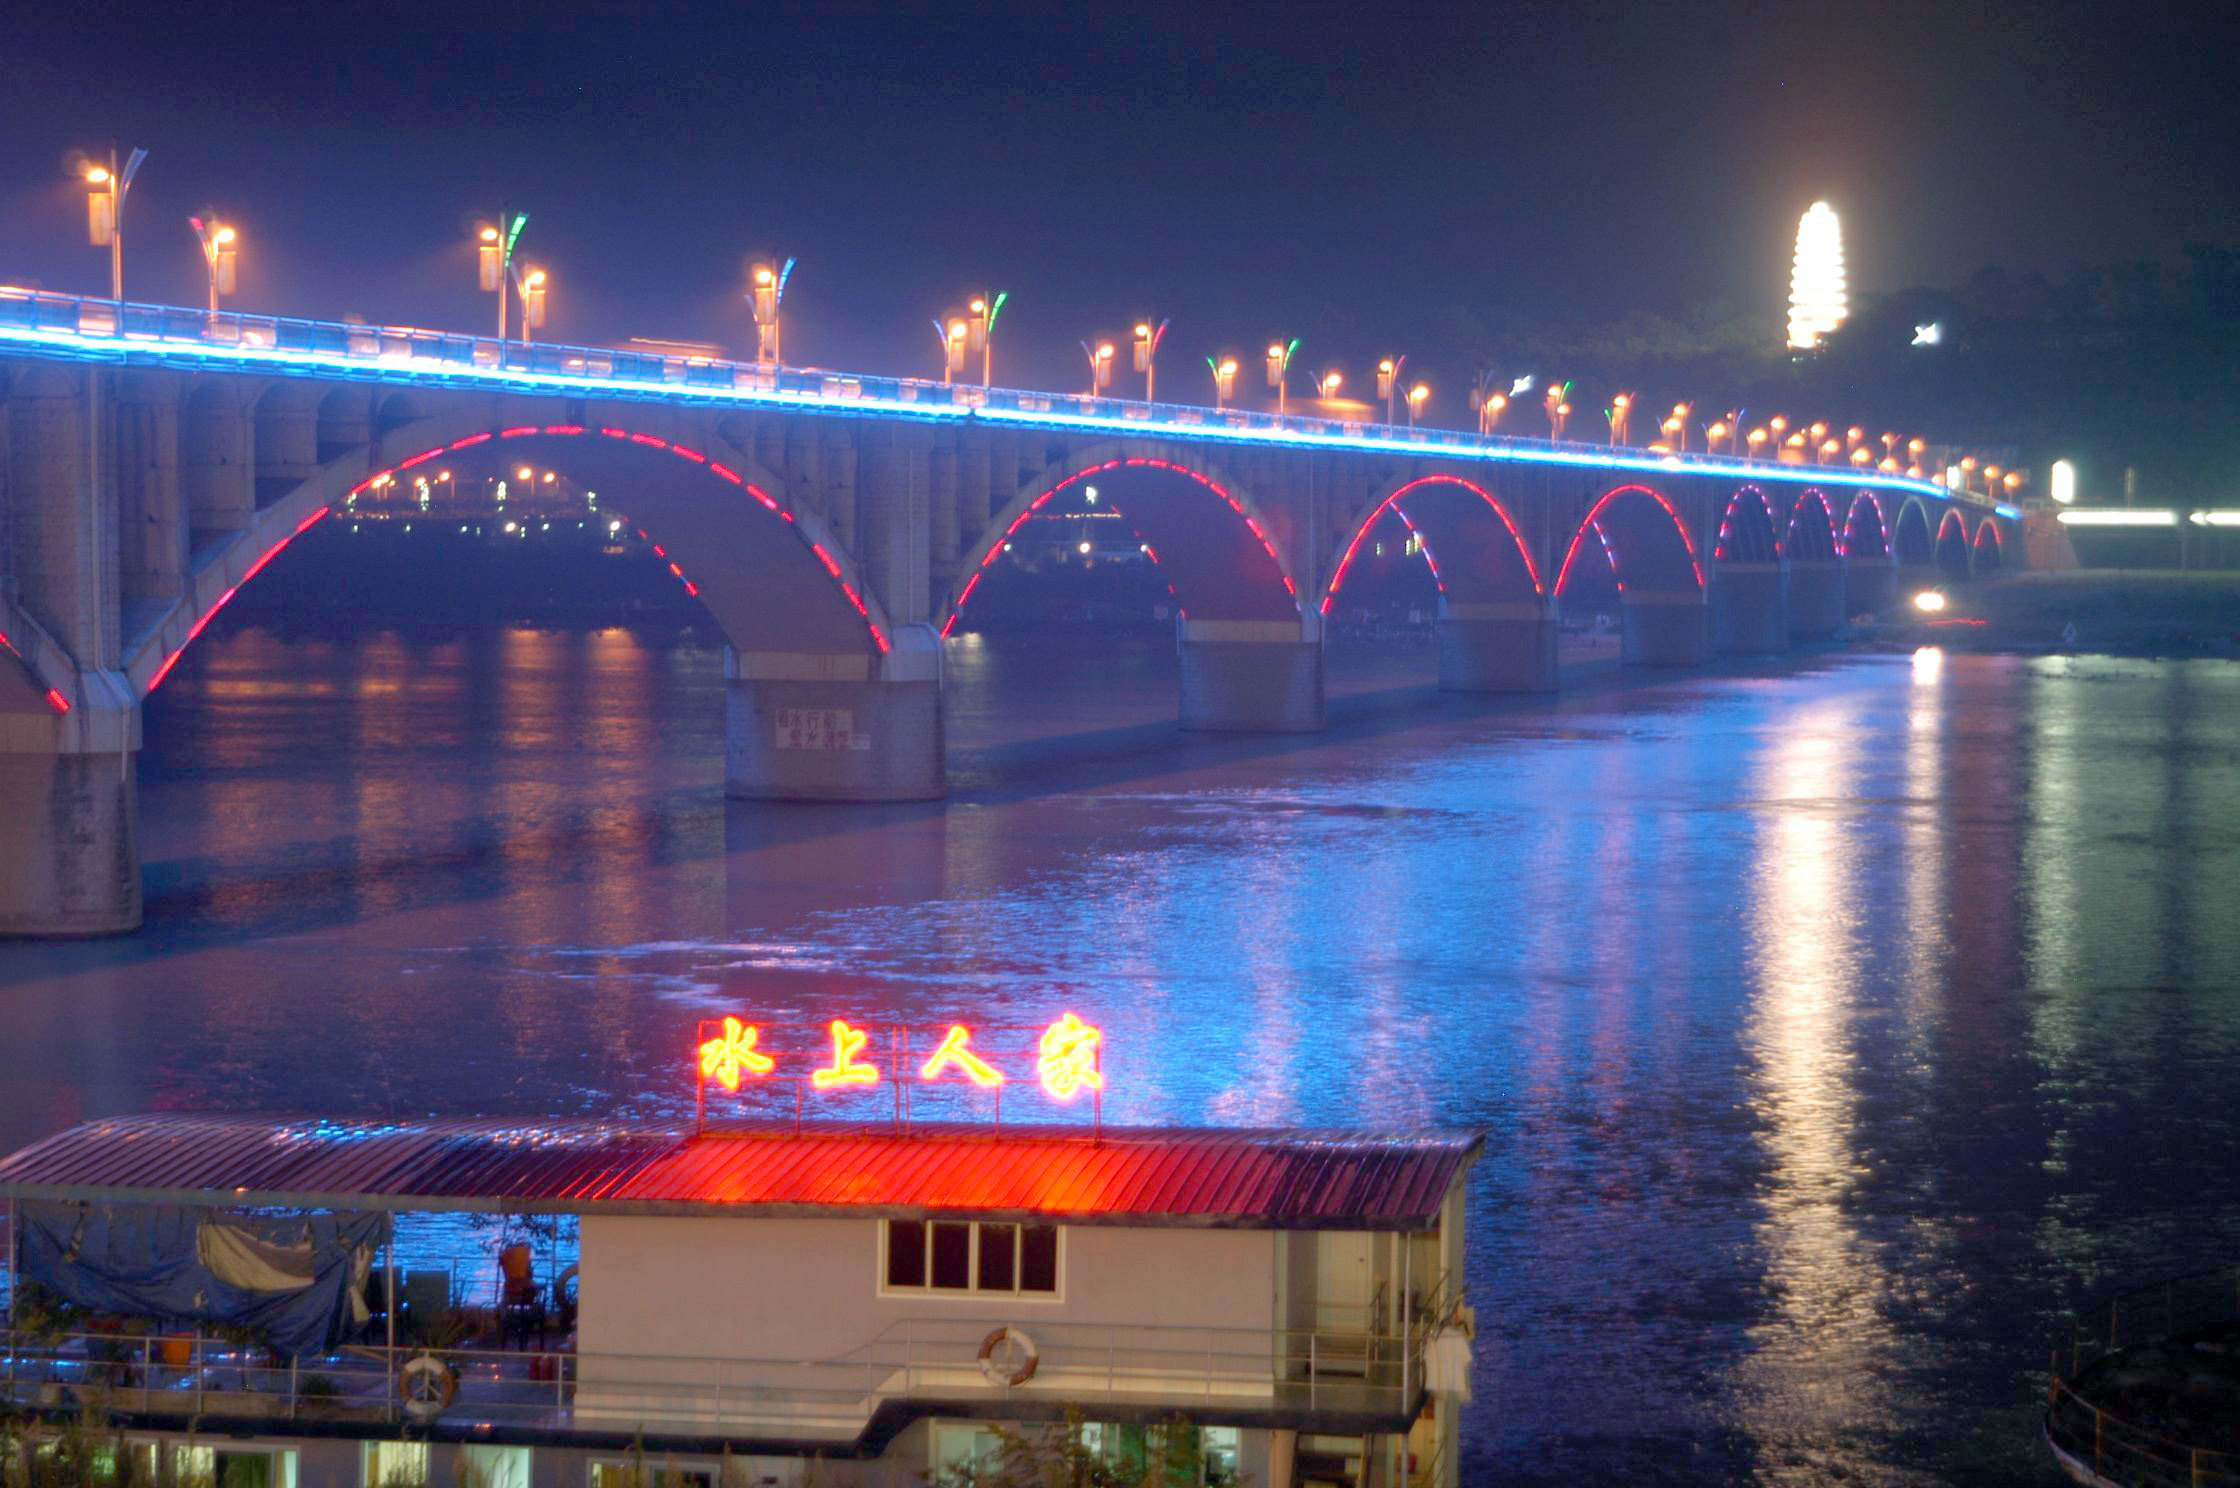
x=1252 y=1179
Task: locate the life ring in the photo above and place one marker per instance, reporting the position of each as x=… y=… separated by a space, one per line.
x=427 y=1385
x=998 y=1374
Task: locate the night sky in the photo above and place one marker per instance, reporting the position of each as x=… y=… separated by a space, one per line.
x=1349 y=174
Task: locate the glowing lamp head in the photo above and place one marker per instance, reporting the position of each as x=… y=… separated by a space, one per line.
x=1717 y=430
x=1497 y=402
x=488 y=235
x=1671 y=426
x=1968 y=463
x=1331 y=382
x=1916 y=446
x=1104 y=352
x=524 y=473
x=1275 y=351
x=2012 y=480
x=1829 y=447
x=956 y=330
x=762 y=274
x=1854 y=433
x=1620 y=400
x=1757 y=437
x=1082 y=548
x=1563 y=410
x=1143 y=329
x=223 y=235
x=534 y=279
x=97 y=175
x=1861 y=456
x=1385 y=366
x=1680 y=410
x=1779 y=423
x=1929 y=602
x=1819 y=429
x=1228 y=366
x=1419 y=392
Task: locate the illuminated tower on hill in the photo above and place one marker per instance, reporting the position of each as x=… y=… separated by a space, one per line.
x=1816 y=297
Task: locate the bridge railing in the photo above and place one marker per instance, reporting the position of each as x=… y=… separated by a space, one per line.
x=624 y=371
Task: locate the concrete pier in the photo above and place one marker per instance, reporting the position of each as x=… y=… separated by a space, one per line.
x=1497 y=647
x=1665 y=628
x=1870 y=586
x=1816 y=600
x=1251 y=676
x=1749 y=609
x=803 y=727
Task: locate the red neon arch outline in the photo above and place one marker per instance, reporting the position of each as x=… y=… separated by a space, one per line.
x=1881 y=522
x=1951 y=518
x=1392 y=503
x=1998 y=542
x=995 y=549
x=1827 y=509
x=1594 y=514
x=651 y=441
x=1726 y=520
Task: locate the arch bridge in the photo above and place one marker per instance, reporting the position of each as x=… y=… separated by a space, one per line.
x=153 y=460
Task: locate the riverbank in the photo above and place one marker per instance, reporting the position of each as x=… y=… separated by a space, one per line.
x=2126 y=612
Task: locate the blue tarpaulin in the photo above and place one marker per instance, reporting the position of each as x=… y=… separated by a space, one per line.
x=292 y=1279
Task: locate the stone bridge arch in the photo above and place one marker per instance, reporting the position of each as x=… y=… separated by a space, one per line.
x=1496 y=632
x=1640 y=539
x=813 y=658
x=1749 y=598
x=1870 y=575
x=1251 y=653
x=1813 y=546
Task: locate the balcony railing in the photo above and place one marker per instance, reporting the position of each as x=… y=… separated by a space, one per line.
x=371 y=350
x=912 y=1368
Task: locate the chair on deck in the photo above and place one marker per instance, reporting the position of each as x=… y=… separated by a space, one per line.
x=520 y=1303
x=427 y=1301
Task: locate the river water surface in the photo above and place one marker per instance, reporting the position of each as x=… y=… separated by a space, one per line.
x=1834 y=1024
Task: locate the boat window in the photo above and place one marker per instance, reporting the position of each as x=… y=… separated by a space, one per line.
x=952 y=1256
x=967 y=1256
x=1038 y=1259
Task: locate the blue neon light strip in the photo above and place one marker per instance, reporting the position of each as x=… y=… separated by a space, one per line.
x=999 y=406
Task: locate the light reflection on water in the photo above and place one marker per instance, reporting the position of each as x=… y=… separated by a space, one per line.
x=1831 y=1030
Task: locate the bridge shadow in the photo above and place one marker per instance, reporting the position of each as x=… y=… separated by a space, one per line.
x=885 y=852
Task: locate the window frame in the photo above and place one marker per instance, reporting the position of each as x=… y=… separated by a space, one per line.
x=972 y=1290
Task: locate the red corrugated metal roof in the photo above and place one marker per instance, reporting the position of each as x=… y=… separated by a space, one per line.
x=1128 y=1175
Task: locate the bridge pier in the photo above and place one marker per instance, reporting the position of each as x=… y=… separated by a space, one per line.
x=70 y=819
x=1252 y=676
x=1509 y=647
x=1749 y=609
x=807 y=727
x=1665 y=628
x=1816 y=599
x=1869 y=587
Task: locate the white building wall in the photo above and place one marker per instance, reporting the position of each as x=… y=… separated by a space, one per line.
x=803 y=1296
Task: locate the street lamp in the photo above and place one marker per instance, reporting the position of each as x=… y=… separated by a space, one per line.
x=980 y=330
x=217 y=252
x=766 y=291
x=1147 y=342
x=1328 y=384
x=1418 y=395
x=106 y=186
x=1828 y=450
x=1100 y=365
x=1755 y=438
x=1716 y=431
x=1224 y=380
x=954 y=334
x=1620 y=410
x=532 y=303
x=1388 y=382
x=1914 y=450
x=1489 y=411
x=1677 y=425
x=1279 y=367
x=494 y=261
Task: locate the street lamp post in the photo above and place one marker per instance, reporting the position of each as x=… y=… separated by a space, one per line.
x=1100 y=365
x=1489 y=411
x=1620 y=412
x=1147 y=342
x=766 y=289
x=107 y=186
x=494 y=261
x=217 y=253
x=980 y=331
x=1418 y=395
x=1327 y=385
x=954 y=334
x=1558 y=408
x=1279 y=367
x=1388 y=383
x=532 y=303
x=1224 y=380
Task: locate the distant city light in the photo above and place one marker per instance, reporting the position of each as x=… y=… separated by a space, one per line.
x=1931 y=334
x=1928 y=601
x=2063 y=485
x=1817 y=304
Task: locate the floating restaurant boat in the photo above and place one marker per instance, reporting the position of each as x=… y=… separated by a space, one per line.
x=893 y=1298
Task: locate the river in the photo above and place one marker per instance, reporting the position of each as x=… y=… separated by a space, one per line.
x=1834 y=1023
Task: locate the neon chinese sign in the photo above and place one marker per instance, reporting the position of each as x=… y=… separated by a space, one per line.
x=1063 y=1060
